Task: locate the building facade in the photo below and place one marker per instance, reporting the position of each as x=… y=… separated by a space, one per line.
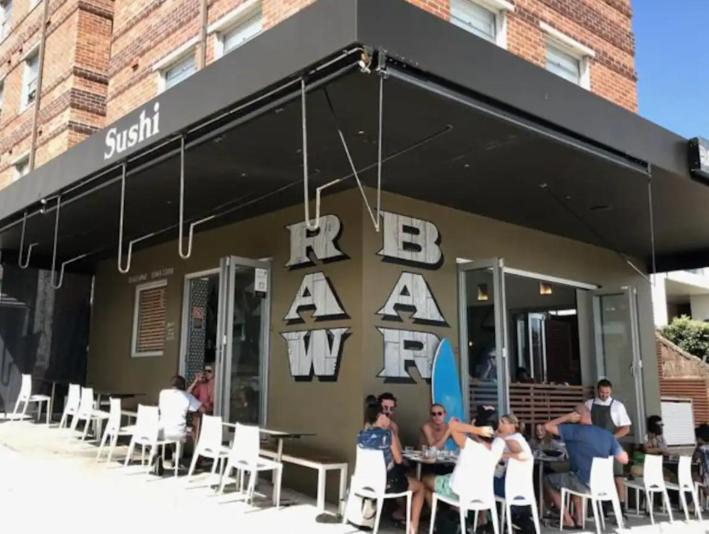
x=97 y=60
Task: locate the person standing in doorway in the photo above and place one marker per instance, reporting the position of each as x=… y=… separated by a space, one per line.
x=610 y=414
x=202 y=388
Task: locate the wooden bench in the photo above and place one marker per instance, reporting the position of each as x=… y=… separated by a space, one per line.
x=322 y=465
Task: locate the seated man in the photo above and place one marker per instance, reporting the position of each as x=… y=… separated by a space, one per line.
x=584 y=442
x=435 y=431
x=174 y=404
x=388 y=403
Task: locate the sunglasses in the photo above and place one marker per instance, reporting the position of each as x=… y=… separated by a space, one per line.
x=208 y=371
x=434 y=414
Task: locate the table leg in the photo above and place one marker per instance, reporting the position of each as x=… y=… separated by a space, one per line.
x=540 y=465
x=51 y=402
x=279 y=455
x=418 y=470
x=322 y=476
x=343 y=489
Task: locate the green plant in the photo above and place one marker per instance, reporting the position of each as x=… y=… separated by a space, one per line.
x=690 y=335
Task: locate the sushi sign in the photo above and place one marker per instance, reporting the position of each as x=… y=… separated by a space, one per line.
x=317 y=352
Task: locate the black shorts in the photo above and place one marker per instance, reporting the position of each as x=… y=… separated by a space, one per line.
x=396 y=479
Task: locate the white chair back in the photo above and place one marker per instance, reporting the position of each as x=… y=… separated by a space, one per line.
x=653 y=476
x=26 y=387
x=370 y=472
x=73 y=398
x=519 y=482
x=684 y=473
x=113 y=425
x=477 y=469
x=147 y=425
x=246 y=448
x=211 y=434
x=86 y=404
x=602 y=483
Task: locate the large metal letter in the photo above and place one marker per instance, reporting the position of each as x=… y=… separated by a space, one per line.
x=411 y=240
x=412 y=291
x=402 y=346
x=315 y=292
x=320 y=356
x=321 y=241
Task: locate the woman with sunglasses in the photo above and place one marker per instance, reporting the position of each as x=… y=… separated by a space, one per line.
x=435 y=431
x=378 y=434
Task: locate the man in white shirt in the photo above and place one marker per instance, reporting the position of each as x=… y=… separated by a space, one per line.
x=174 y=404
x=610 y=414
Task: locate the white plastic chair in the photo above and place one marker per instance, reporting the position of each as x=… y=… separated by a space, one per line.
x=87 y=413
x=369 y=481
x=475 y=488
x=602 y=488
x=71 y=407
x=147 y=434
x=113 y=429
x=26 y=398
x=685 y=485
x=209 y=445
x=653 y=481
x=244 y=456
x=519 y=491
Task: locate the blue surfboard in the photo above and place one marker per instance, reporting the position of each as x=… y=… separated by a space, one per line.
x=445 y=384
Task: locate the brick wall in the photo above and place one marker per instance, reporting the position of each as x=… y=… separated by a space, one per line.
x=101 y=56
x=72 y=103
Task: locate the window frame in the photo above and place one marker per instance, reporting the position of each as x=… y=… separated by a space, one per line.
x=498 y=8
x=553 y=38
x=6 y=22
x=136 y=314
x=237 y=19
x=24 y=159
x=174 y=58
x=33 y=53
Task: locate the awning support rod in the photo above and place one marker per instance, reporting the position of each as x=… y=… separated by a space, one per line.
x=23 y=264
x=309 y=224
x=190 y=237
x=57 y=284
x=129 y=253
x=376 y=219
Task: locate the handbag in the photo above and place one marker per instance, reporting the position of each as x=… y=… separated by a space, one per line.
x=361 y=511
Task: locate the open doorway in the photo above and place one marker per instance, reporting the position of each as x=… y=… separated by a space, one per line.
x=201 y=304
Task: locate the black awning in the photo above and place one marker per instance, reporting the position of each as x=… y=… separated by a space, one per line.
x=458 y=131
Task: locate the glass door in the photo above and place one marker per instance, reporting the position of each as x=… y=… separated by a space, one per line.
x=618 y=356
x=483 y=335
x=243 y=336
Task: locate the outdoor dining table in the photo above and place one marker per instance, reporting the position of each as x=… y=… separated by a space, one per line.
x=540 y=459
x=440 y=458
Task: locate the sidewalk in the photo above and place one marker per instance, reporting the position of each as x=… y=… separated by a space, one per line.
x=50 y=482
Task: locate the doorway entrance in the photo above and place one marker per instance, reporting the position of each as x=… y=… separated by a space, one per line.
x=226 y=317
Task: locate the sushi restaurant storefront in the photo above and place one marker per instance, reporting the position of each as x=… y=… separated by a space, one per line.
x=441 y=204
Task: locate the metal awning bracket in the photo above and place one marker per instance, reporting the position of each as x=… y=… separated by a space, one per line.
x=24 y=263
x=185 y=255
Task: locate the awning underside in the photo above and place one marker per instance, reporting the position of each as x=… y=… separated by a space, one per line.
x=436 y=149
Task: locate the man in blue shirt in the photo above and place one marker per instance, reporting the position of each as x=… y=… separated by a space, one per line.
x=584 y=442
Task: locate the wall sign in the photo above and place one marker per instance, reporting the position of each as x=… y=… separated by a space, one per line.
x=699 y=157
x=318 y=351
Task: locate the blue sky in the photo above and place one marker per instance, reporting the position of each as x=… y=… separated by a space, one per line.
x=672 y=60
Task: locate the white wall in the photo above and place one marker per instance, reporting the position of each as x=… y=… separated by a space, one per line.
x=659 y=300
x=700 y=307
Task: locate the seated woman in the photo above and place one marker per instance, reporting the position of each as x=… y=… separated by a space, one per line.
x=377 y=434
x=654 y=444
x=435 y=431
x=515 y=447
x=546 y=443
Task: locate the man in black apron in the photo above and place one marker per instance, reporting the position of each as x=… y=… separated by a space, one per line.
x=610 y=414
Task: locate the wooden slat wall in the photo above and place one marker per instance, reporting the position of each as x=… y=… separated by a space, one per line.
x=532 y=403
x=151 y=320
x=689 y=388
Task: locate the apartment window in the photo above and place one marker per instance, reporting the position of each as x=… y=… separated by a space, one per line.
x=180 y=70
x=20 y=168
x=5 y=17
x=242 y=32
x=29 y=79
x=485 y=18
x=567 y=58
x=149 y=319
